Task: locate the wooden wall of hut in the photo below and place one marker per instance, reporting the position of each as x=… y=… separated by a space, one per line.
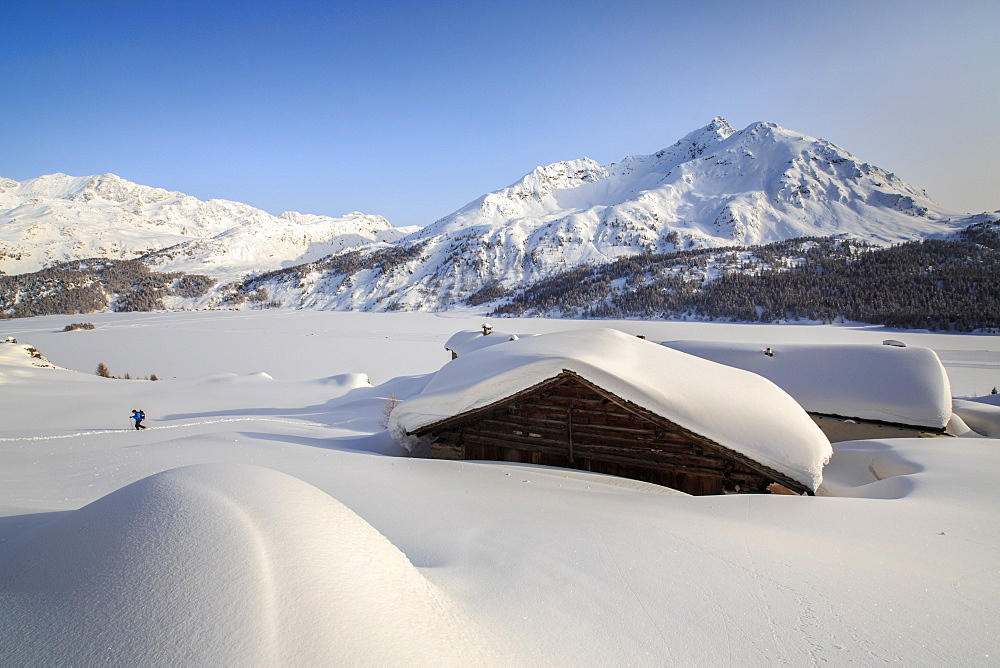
x=572 y=424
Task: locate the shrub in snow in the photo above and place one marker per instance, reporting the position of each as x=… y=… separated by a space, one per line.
x=387 y=408
x=259 y=296
x=104 y=372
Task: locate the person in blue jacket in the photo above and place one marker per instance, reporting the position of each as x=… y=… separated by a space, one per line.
x=139 y=416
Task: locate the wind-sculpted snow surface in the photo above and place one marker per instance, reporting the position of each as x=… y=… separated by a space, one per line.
x=220 y=565
x=982 y=415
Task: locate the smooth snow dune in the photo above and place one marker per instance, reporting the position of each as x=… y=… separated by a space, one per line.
x=981 y=416
x=220 y=564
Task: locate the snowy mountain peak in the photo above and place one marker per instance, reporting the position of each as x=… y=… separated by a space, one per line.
x=695 y=143
x=107 y=187
x=718 y=127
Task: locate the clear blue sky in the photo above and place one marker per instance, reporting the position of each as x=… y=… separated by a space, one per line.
x=412 y=109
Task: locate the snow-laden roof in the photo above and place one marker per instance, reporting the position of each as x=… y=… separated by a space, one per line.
x=469 y=340
x=870 y=382
x=734 y=408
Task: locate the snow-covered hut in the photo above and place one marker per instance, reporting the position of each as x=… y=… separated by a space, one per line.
x=469 y=340
x=604 y=401
x=852 y=391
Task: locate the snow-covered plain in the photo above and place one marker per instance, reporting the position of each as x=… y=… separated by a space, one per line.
x=266 y=517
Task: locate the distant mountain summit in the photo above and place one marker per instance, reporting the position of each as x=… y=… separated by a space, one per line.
x=715 y=186
x=57 y=218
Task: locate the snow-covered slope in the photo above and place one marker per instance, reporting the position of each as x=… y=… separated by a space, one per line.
x=287 y=240
x=714 y=187
x=57 y=217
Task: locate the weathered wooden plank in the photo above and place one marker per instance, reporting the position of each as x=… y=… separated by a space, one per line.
x=659 y=459
x=582 y=434
x=663 y=462
x=441 y=450
x=556 y=434
x=656 y=419
x=464 y=418
x=558 y=421
x=583 y=418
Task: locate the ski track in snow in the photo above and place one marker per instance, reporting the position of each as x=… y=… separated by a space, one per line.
x=611 y=562
x=168 y=426
x=757 y=591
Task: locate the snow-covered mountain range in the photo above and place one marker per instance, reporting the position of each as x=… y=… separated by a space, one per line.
x=57 y=217
x=714 y=187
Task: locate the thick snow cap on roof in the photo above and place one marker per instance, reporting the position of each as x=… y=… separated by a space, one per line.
x=469 y=340
x=734 y=408
x=870 y=382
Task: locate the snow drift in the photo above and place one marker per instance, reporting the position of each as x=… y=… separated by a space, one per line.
x=220 y=564
x=561 y=568
x=982 y=415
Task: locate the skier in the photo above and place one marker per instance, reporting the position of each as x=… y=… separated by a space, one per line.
x=139 y=416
